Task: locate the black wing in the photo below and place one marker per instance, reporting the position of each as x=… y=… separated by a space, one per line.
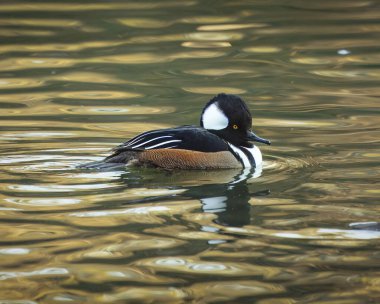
x=186 y=138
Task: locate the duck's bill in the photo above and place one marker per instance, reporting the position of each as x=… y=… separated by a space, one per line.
x=253 y=137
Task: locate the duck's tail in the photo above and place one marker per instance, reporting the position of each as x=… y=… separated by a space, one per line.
x=117 y=160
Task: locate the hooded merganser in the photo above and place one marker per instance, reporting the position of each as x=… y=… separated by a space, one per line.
x=222 y=141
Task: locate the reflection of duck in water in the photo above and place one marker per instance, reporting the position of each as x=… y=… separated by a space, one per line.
x=225 y=193
x=230 y=202
x=222 y=141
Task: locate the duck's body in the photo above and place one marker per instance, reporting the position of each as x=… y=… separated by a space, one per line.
x=222 y=141
x=186 y=147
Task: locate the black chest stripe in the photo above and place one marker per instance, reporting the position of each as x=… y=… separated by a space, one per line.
x=237 y=156
x=249 y=155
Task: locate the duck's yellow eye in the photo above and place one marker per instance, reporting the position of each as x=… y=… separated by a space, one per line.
x=235 y=127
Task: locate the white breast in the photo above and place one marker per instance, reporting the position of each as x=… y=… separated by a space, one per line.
x=254 y=151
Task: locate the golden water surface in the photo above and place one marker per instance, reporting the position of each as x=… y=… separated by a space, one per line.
x=79 y=77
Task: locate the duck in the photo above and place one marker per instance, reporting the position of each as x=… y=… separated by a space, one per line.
x=222 y=141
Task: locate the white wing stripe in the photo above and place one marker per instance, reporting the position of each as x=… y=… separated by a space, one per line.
x=171 y=147
x=140 y=137
x=145 y=142
x=135 y=140
x=163 y=143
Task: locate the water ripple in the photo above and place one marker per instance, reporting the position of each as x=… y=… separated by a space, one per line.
x=4 y=275
x=187 y=266
x=77 y=79
x=229 y=27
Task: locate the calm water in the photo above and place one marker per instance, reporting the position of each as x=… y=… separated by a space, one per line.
x=79 y=77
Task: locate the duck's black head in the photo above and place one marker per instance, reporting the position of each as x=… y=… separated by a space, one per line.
x=228 y=116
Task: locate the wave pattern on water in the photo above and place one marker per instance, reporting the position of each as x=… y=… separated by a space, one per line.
x=76 y=79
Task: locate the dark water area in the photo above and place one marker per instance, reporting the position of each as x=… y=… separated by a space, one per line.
x=79 y=77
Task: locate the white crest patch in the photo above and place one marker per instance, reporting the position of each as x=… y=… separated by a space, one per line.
x=213 y=118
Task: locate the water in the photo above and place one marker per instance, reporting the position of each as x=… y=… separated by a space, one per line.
x=77 y=78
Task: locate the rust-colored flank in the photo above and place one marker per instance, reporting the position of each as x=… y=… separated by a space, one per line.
x=185 y=159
